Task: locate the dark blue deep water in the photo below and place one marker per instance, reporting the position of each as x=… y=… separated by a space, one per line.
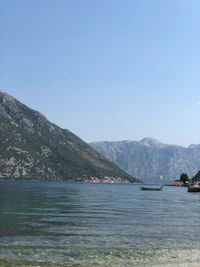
x=82 y=224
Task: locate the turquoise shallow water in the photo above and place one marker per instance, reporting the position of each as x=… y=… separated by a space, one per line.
x=78 y=224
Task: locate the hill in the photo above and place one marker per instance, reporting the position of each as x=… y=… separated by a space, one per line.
x=33 y=148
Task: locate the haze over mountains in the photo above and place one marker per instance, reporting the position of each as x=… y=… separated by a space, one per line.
x=33 y=148
x=148 y=159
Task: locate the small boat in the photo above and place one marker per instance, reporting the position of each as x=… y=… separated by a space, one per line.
x=151 y=188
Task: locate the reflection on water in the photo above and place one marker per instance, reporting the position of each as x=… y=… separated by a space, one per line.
x=77 y=224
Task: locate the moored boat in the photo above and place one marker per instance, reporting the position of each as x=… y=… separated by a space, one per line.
x=151 y=188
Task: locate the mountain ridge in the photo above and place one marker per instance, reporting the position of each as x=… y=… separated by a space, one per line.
x=148 y=158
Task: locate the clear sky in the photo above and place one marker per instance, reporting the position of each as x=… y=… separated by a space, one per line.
x=106 y=69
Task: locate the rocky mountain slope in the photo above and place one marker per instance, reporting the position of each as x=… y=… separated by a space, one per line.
x=33 y=148
x=148 y=158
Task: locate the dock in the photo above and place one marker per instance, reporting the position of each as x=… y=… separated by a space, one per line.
x=195 y=187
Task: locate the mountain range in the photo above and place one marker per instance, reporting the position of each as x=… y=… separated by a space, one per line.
x=151 y=160
x=33 y=148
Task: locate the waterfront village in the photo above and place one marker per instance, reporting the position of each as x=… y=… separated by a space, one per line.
x=106 y=179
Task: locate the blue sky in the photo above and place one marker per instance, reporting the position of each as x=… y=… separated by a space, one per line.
x=106 y=69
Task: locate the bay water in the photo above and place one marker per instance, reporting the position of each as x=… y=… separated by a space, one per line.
x=88 y=224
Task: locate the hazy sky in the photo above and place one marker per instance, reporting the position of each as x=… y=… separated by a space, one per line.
x=106 y=69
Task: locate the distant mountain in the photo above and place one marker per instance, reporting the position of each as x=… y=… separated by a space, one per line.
x=32 y=148
x=148 y=158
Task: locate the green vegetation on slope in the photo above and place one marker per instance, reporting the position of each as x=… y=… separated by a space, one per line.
x=34 y=148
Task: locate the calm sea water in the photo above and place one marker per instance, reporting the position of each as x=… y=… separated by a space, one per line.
x=77 y=224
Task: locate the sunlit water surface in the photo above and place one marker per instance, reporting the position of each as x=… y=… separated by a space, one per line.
x=79 y=224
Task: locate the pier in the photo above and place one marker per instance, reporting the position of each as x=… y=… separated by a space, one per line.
x=195 y=187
